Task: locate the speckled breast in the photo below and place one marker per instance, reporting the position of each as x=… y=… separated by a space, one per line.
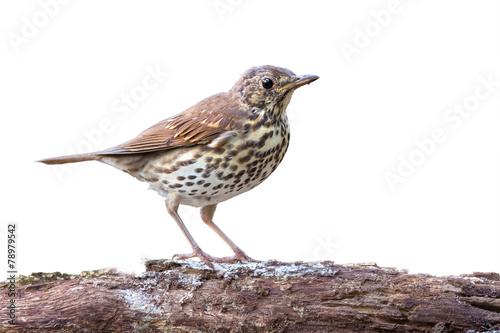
x=203 y=176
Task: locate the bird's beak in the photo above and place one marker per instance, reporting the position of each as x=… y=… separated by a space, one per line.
x=299 y=82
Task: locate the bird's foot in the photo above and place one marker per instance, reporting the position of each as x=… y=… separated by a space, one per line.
x=208 y=259
x=238 y=256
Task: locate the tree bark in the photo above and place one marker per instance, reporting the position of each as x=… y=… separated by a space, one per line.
x=186 y=296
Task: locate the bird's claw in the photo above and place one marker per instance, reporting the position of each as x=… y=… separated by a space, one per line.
x=240 y=256
x=206 y=258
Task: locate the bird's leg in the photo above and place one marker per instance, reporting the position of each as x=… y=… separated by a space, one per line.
x=172 y=204
x=207 y=214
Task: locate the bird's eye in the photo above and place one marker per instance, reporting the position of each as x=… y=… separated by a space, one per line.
x=267 y=83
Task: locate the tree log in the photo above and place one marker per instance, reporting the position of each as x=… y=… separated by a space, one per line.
x=187 y=296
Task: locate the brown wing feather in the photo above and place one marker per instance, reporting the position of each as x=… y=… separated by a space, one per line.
x=199 y=124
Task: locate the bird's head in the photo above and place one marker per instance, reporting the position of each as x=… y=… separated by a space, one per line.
x=268 y=88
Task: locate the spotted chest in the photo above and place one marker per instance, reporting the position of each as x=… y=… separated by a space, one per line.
x=202 y=175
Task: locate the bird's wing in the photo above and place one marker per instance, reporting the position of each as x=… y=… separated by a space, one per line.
x=209 y=120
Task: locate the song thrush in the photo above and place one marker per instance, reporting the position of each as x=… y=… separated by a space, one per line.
x=221 y=147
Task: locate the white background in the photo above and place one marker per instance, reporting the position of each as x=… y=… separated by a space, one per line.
x=328 y=200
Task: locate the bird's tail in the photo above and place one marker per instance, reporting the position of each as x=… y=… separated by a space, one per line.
x=70 y=159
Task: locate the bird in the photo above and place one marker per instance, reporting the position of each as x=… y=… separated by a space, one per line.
x=221 y=147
